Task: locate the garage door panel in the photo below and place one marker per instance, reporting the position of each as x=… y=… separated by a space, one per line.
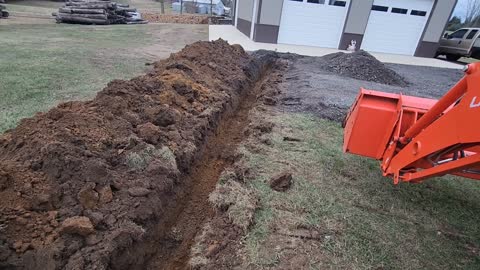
x=396 y=33
x=311 y=24
x=408 y=4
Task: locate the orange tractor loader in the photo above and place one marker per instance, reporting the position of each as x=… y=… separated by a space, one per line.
x=417 y=138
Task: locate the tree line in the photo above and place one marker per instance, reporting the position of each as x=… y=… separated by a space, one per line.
x=471 y=17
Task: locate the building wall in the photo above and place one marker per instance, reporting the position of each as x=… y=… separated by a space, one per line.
x=244 y=20
x=441 y=13
x=234 y=10
x=357 y=19
x=269 y=13
x=272 y=12
x=268 y=22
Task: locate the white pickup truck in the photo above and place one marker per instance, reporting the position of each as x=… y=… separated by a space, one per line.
x=464 y=42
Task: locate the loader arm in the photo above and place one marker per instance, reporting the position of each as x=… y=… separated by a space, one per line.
x=417 y=138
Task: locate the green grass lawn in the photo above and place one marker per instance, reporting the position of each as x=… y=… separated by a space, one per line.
x=41 y=65
x=26 y=7
x=362 y=219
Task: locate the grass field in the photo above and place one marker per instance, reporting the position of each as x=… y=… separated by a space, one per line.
x=46 y=63
x=33 y=7
x=42 y=65
x=356 y=218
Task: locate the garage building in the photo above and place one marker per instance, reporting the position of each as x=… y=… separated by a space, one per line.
x=408 y=27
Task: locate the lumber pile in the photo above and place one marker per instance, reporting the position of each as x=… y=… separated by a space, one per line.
x=97 y=12
x=3 y=12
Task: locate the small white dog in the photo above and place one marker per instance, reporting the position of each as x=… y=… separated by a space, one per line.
x=353 y=46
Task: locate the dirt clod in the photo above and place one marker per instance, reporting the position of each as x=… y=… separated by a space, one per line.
x=138 y=191
x=77 y=225
x=281 y=182
x=88 y=197
x=4 y=180
x=239 y=203
x=106 y=194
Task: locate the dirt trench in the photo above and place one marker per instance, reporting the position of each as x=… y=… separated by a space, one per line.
x=121 y=181
x=194 y=209
x=169 y=243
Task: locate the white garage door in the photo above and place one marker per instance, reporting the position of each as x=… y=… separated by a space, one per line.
x=396 y=26
x=312 y=22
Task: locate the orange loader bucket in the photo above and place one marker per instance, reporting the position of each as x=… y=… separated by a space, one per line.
x=374 y=117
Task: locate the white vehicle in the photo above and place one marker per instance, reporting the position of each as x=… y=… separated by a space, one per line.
x=464 y=42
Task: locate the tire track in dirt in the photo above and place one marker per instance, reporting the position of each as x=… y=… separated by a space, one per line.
x=193 y=209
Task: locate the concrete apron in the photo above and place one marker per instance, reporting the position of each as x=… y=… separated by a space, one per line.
x=234 y=36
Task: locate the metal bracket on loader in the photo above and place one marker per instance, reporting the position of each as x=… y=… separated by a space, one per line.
x=417 y=138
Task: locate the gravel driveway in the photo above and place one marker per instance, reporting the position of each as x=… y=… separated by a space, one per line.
x=309 y=88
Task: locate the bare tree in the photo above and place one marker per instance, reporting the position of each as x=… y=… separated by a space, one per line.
x=472 y=14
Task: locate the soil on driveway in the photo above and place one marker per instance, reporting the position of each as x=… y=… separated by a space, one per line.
x=308 y=87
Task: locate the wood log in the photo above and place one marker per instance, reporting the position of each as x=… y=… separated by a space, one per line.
x=88 y=11
x=95 y=12
x=62 y=17
x=64 y=10
x=87 y=16
x=90 y=6
x=82 y=11
x=126 y=9
x=77 y=2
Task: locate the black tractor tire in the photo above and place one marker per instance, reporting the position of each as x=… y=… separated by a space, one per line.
x=4 y=14
x=453 y=57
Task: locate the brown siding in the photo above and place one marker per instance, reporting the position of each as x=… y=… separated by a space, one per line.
x=266 y=33
x=426 y=49
x=244 y=26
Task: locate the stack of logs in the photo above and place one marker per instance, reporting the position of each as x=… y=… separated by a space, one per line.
x=97 y=12
x=3 y=12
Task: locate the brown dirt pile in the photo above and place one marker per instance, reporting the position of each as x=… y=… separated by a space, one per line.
x=84 y=181
x=174 y=18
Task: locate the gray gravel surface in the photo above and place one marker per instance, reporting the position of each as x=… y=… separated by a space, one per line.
x=309 y=88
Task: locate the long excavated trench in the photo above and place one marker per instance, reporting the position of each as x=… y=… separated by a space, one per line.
x=169 y=242
x=193 y=208
x=135 y=165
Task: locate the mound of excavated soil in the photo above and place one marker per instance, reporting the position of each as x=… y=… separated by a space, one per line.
x=362 y=66
x=82 y=182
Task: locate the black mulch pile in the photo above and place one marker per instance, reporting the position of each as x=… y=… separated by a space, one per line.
x=362 y=66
